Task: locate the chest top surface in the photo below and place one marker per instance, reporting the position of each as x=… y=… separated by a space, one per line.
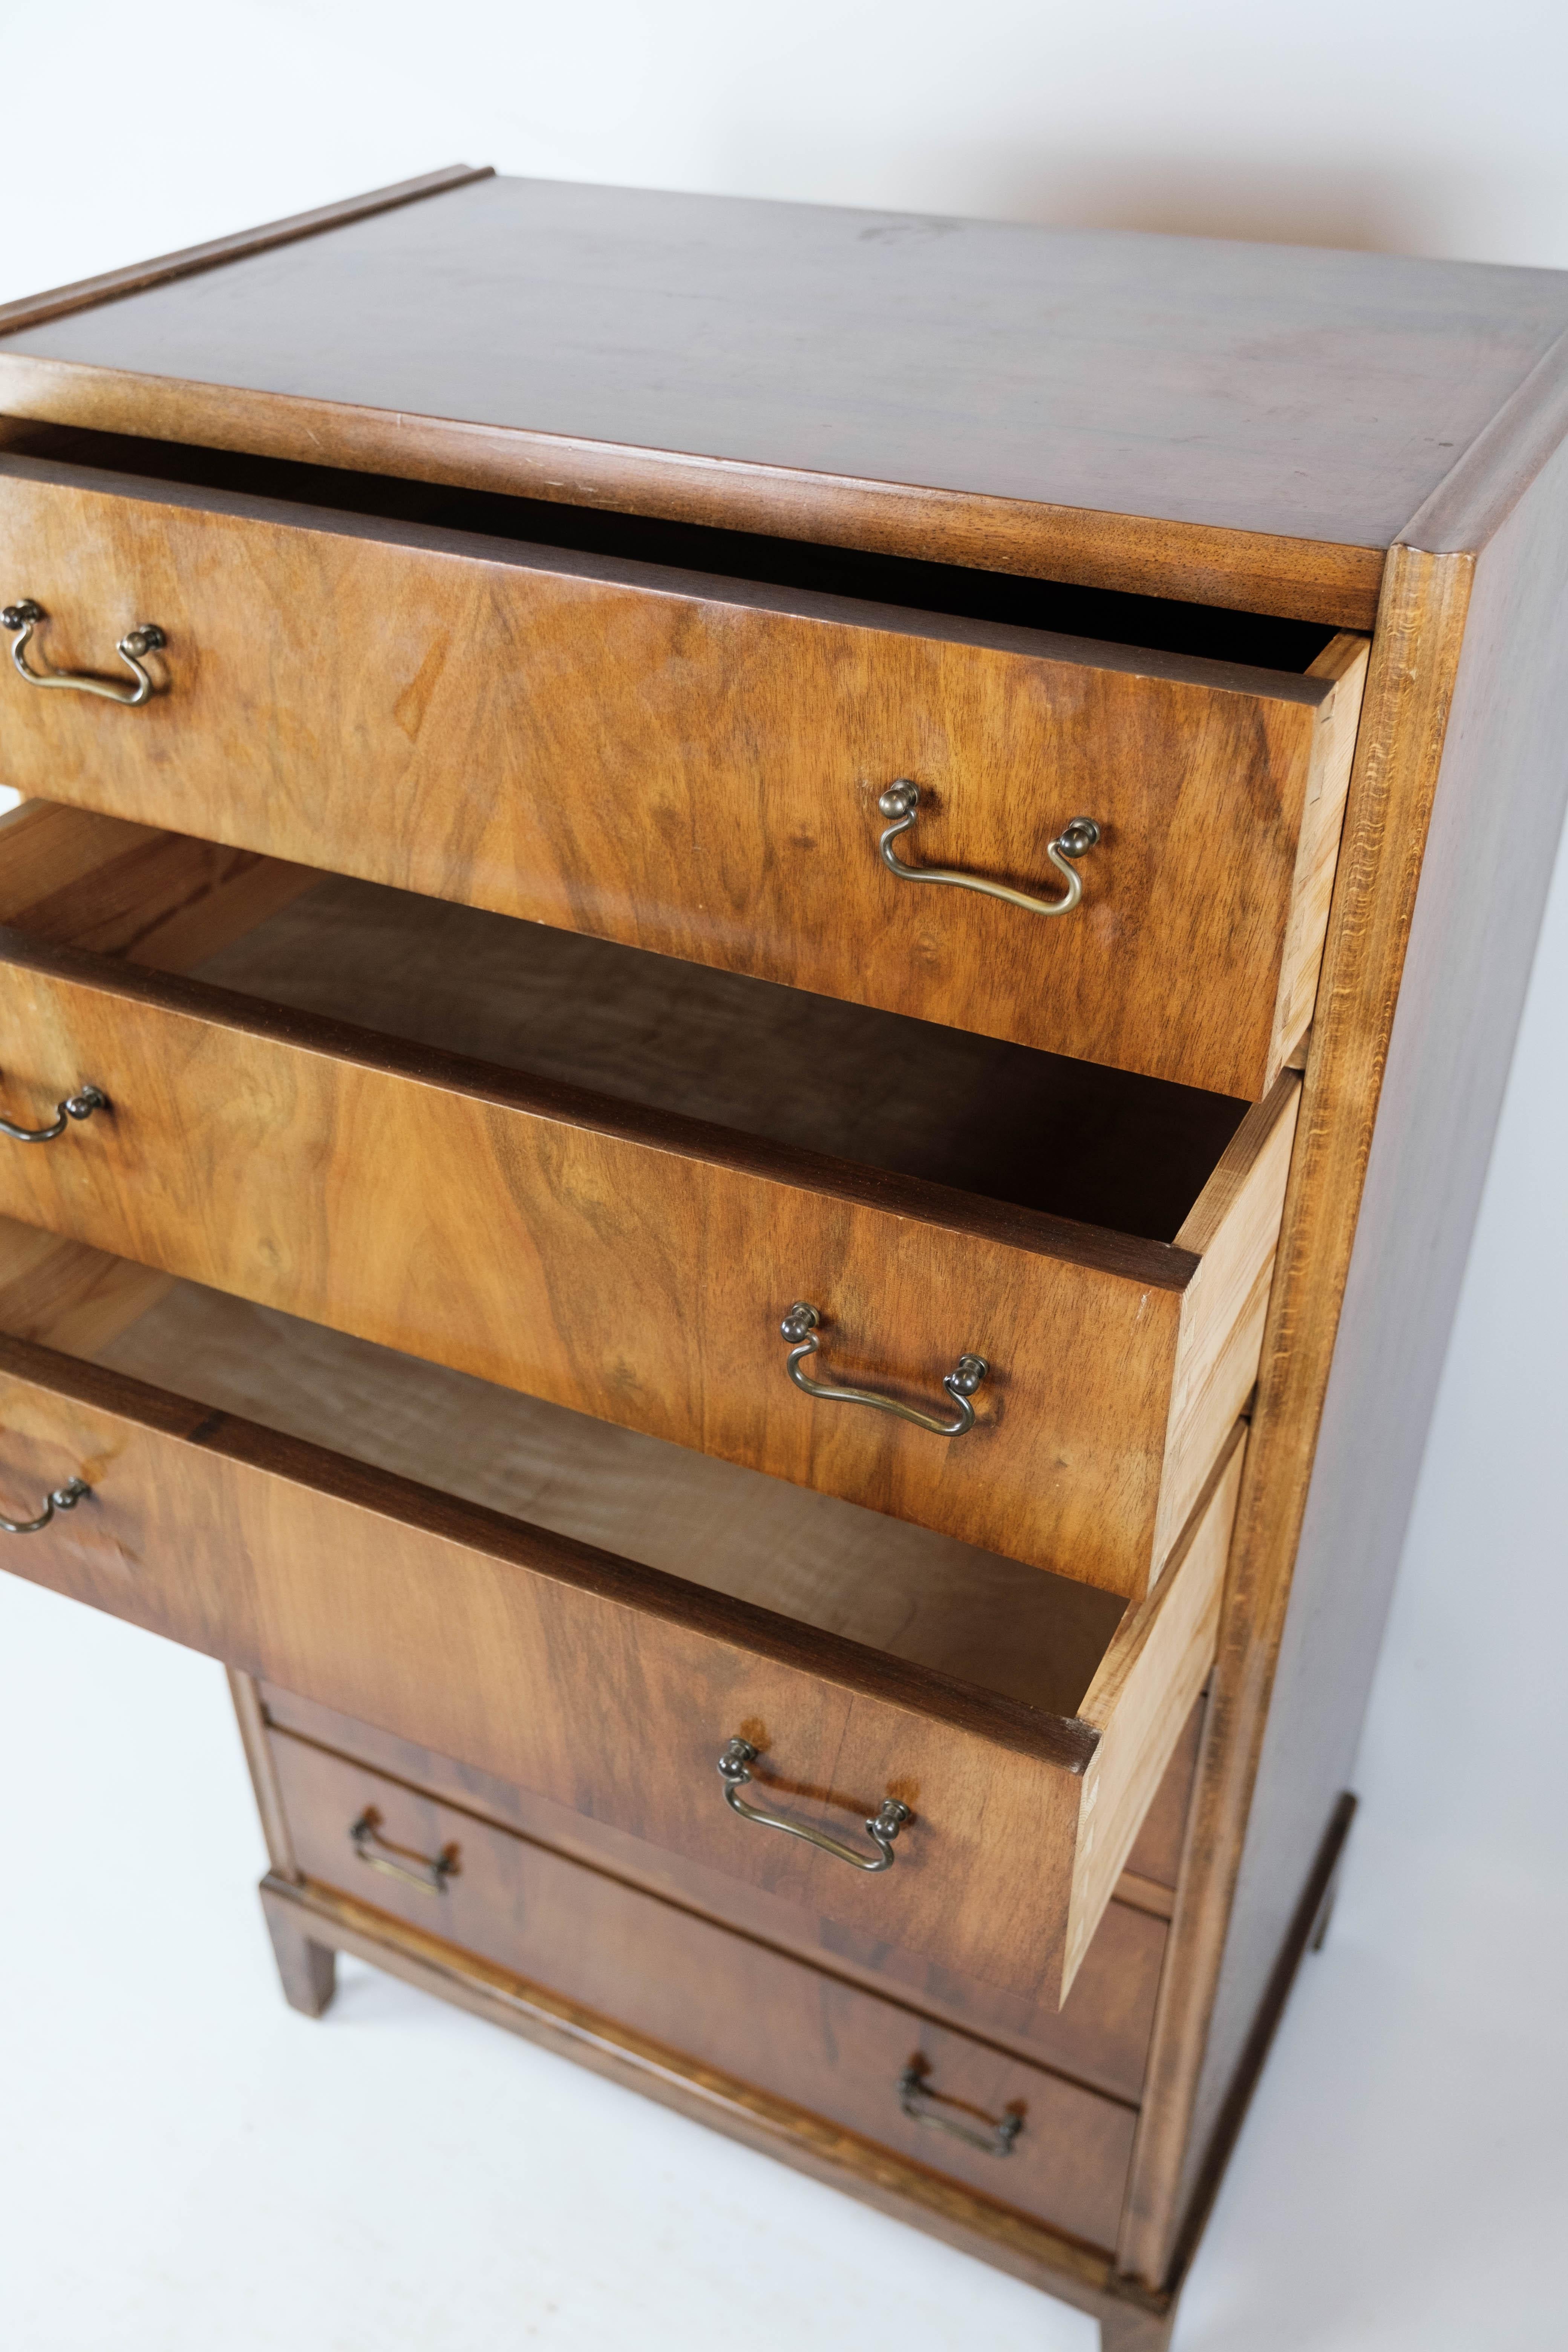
x=1242 y=425
x=1267 y=388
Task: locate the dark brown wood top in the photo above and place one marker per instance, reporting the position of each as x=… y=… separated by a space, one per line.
x=1003 y=394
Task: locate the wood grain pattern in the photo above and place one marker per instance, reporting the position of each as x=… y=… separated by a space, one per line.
x=834 y=1565
x=1321 y=824
x=999 y=1121
x=613 y=1239
x=157 y=899
x=691 y=764
x=1294 y=579
x=505 y=1646
x=1415 y=653
x=1142 y=1696
x=251 y=1714
x=33 y=309
x=1130 y=2321
x=1242 y=423
x=1098 y=2037
x=68 y=1294
x=1468 y=720
x=307 y=1969
x=1233 y=1231
x=733 y=2004
x=1469 y=505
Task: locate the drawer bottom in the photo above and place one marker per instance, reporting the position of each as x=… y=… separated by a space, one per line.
x=772 y=2026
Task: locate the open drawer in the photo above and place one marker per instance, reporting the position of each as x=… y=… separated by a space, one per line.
x=597 y=1616
x=611 y=1180
x=675 y=738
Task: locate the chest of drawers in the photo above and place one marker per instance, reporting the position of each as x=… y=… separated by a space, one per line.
x=749 y=1003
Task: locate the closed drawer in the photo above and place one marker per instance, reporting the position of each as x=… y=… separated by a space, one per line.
x=1048 y=2146
x=1100 y=2035
x=691 y=762
x=633 y=1261
x=1020 y=1720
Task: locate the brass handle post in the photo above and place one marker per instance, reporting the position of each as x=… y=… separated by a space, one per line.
x=63 y=1498
x=801 y=1327
x=901 y=802
x=80 y=1106
x=924 y=2106
x=377 y=1853
x=23 y=618
x=882 y=1828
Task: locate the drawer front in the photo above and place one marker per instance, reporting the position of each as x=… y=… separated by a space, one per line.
x=734 y=2004
x=693 y=765
x=639 y=1272
x=1101 y=2034
x=613 y=1689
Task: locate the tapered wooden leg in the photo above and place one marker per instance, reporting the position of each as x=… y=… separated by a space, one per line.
x=1128 y=2329
x=308 y=1970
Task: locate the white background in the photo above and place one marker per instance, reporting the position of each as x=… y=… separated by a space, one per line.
x=184 y=2164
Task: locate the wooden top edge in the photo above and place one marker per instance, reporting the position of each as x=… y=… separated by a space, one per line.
x=1292 y=579
x=34 y=310
x=1481 y=490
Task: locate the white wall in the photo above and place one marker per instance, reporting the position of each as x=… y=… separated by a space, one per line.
x=1397 y=2182
x=1435 y=129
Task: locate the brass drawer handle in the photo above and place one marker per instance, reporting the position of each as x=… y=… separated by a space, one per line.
x=82 y=1105
x=414 y=1870
x=64 y=1498
x=734 y=1770
x=901 y=800
x=147 y=639
x=800 y=1328
x=926 y=2106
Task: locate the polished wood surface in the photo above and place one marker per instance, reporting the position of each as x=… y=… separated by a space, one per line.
x=1142 y=1695
x=691 y=764
x=161 y=899
x=250 y=1715
x=730 y=2002
x=1156 y=1854
x=33 y=309
x=68 y=1294
x=909 y=1098
x=614 y=1236
x=401 y=1606
x=1417 y=408
x=1130 y=2320
x=1233 y=1232
x=1467 y=718
x=1408 y=691
x=1246 y=424
x=1344 y=661
x=1100 y=2036
x=834 y=1565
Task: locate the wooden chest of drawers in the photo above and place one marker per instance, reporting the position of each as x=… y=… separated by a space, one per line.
x=706 y=1149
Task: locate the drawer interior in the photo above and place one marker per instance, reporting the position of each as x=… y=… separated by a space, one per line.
x=1212 y=632
x=1003 y=1122
x=583 y=1672
x=997 y=1625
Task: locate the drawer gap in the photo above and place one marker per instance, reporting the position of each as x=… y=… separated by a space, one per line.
x=1209 y=632
x=1004 y=1122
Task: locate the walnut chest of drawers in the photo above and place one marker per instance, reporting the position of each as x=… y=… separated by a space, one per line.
x=752 y=981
